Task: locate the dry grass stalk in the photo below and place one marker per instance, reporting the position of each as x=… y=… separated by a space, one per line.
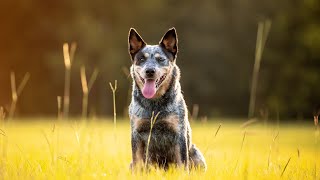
x=68 y=56
x=244 y=136
x=16 y=92
x=316 y=138
x=278 y=116
x=215 y=135
x=316 y=124
x=271 y=146
x=316 y=120
x=86 y=88
x=56 y=129
x=114 y=89
x=195 y=111
x=204 y=119
x=51 y=148
x=2 y=114
x=285 y=167
x=24 y=156
x=59 y=103
x=3 y=141
x=152 y=122
x=217 y=131
x=126 y=72
x=248 y=123
x=2 y=132
x=262 y=34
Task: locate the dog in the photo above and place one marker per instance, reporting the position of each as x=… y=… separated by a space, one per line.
x=156 y=90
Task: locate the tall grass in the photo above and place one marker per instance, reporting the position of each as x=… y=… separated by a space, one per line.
x=271 y=147
x=3 y=137
x=86 y=88
x=16 y=92
x=262 y=34
x=240 y=153
x=316 y=140
x=195 y=112
x=152 y=122
x=68 y=55
x=285 y=167
x=59 y=107
x=214 y=137
x=126 y=72
x=87 y=151
x=2 y=114
x=114 y=89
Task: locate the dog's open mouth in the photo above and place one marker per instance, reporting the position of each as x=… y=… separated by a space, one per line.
x=150 y=86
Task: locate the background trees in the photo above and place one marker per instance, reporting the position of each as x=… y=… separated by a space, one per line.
x=216 y=40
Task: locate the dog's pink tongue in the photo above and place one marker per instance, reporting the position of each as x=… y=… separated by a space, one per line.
x=149 y=88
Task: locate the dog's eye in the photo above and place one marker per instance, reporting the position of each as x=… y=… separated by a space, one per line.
x=161 y=59
x=142 y=59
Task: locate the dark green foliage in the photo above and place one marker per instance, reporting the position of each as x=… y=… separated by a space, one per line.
x=216 y=52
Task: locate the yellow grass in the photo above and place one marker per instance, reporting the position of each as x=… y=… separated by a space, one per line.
x=87 y=150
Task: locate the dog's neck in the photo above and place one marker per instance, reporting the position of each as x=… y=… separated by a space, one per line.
x=166 y=100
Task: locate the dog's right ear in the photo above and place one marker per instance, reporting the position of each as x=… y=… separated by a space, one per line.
x=170 y=41
x=135 y=43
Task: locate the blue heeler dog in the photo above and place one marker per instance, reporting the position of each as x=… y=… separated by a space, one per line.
x=156 y=88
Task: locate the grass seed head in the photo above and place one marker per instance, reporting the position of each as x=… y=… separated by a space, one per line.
x=2 y=113
x=316 y=120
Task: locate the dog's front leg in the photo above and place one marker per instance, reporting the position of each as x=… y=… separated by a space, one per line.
x=177 y=155
x=184 y=153
x=137 y=153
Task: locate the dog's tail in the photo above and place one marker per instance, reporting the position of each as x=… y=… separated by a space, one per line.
x=197 y=160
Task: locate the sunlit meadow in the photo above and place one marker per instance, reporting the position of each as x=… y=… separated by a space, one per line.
x=93 y=149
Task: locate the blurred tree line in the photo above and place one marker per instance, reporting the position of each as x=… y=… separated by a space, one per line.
x=216 y=41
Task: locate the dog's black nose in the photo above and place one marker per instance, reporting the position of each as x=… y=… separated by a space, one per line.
x=150 y=72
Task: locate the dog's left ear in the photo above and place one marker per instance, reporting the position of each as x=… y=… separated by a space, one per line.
x=170 y=41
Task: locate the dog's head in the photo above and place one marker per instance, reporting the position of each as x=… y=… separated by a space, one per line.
x=152 y=65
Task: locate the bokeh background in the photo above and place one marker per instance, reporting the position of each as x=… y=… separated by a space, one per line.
x=217 y=40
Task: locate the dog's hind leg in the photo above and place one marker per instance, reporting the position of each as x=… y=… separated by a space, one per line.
x=197 y=160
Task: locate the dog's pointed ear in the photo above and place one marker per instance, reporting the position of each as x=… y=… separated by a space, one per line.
x=170 y=41
x=135 y=42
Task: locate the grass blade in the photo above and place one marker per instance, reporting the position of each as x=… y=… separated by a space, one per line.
x=285 y=167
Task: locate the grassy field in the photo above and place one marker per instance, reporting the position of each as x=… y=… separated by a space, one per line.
x=37 y=149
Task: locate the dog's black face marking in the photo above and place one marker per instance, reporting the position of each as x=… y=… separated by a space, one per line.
x=153 y=56
x=153 y=63
x=167 y=48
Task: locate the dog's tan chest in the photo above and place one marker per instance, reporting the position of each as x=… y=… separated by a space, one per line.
x=169 y=123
